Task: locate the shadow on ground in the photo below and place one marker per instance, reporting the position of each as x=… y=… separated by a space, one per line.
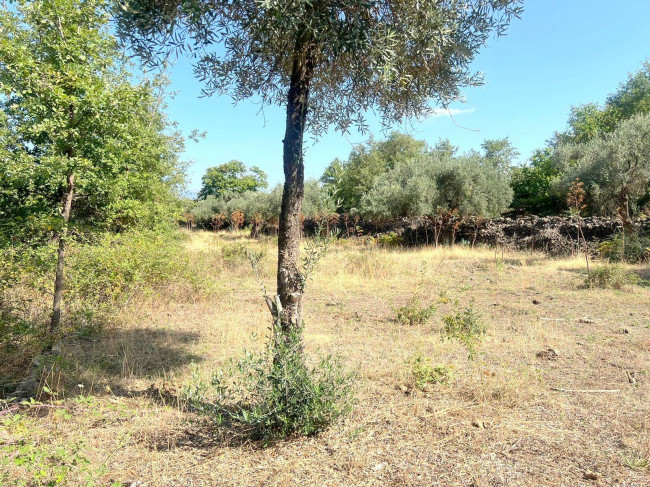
x=137 y=353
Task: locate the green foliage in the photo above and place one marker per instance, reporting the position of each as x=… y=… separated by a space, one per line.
x=275 y=394
x=234 y=252
x=469 y=184
x=533 y=185
x=49 y=466
x=500 y=153
x=390 y=239
x=414 y=312
x=230 y=179
x=366 y=56
x=110 y=270
x=425 y=373
x=68 y=106
x=629 y=248
x=354 y=178
x=467 y=327
x=317 y=201
x=611 y=276
x=614 y=168
x=591 y=121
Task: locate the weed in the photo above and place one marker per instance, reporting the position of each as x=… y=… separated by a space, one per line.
x=465 y=326
x=424 y=372
x=629 y=248
x=390 y=239
x=611 y=276
x=636 y=462
x=414 y=313
x=49 y=466
x=234 y=252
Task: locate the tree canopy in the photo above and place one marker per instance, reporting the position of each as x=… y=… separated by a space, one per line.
x=615 y=168
x=68 y=105
x=469 y=184
x=396 y=57
x=329 y=62
x=231 y=178
x=351 y=179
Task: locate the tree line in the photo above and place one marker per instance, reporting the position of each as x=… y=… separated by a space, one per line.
x=604 y=148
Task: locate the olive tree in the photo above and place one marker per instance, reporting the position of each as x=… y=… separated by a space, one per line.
x=329 y=62
x=615 y=168
x=469 y=184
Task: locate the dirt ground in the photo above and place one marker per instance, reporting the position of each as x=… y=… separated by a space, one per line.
x=518 y=415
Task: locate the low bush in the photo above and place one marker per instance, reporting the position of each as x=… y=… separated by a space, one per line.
x=611 y=276
x=423 y=372
x=465 y=326
x=116 y=266
x=414 y=313
x=234 y=252
x=275 y=394
x=629 y=248
x=390 y=239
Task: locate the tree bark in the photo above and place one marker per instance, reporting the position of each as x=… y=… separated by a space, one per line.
x=55 y=324
x=289 y=279
x=624 y=210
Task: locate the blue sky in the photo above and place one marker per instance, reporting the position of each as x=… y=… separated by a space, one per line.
x=560 y=53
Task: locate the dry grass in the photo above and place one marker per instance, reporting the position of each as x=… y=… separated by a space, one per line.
x=497 y=423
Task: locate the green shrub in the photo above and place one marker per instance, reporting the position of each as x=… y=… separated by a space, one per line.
x=116 y=266
x=390 y=239
x=275 y=394
x=424 y=372
x=629 y=248
x=414 y=313
x=465 y=326
x=234 y=252
x=611 y=276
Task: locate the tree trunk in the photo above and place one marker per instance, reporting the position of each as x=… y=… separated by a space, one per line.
x=55 y=324
x=289 y=279
x=624 y=210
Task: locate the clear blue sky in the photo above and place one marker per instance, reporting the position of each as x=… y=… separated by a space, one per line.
x=560 y=53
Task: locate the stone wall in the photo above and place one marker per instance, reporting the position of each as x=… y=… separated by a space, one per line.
x=555 y=235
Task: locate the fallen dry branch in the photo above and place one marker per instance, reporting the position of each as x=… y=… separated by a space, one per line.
x=558 y=389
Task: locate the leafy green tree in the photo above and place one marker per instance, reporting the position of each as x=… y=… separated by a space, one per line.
x=469 y=184
x=533 y=185
x=631 y=98
x=232 y=177
x=500 y=153
x=329 y=62
x=353 y=178
x=615 y=168
x=80 y=144
x=589 y=121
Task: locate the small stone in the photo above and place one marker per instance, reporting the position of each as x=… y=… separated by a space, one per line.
x=548 y=354
x=588 y=475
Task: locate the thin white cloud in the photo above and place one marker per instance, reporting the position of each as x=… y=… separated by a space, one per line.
x=451 y=112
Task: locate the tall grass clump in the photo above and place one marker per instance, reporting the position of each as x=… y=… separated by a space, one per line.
x=611 y=276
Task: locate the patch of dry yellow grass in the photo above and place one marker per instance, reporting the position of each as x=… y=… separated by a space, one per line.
x=498 y=422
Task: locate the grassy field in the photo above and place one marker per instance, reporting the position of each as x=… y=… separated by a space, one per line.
x=519 y=414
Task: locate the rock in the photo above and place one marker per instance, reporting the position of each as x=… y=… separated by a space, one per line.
x=589 y=475
x=548 y=354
